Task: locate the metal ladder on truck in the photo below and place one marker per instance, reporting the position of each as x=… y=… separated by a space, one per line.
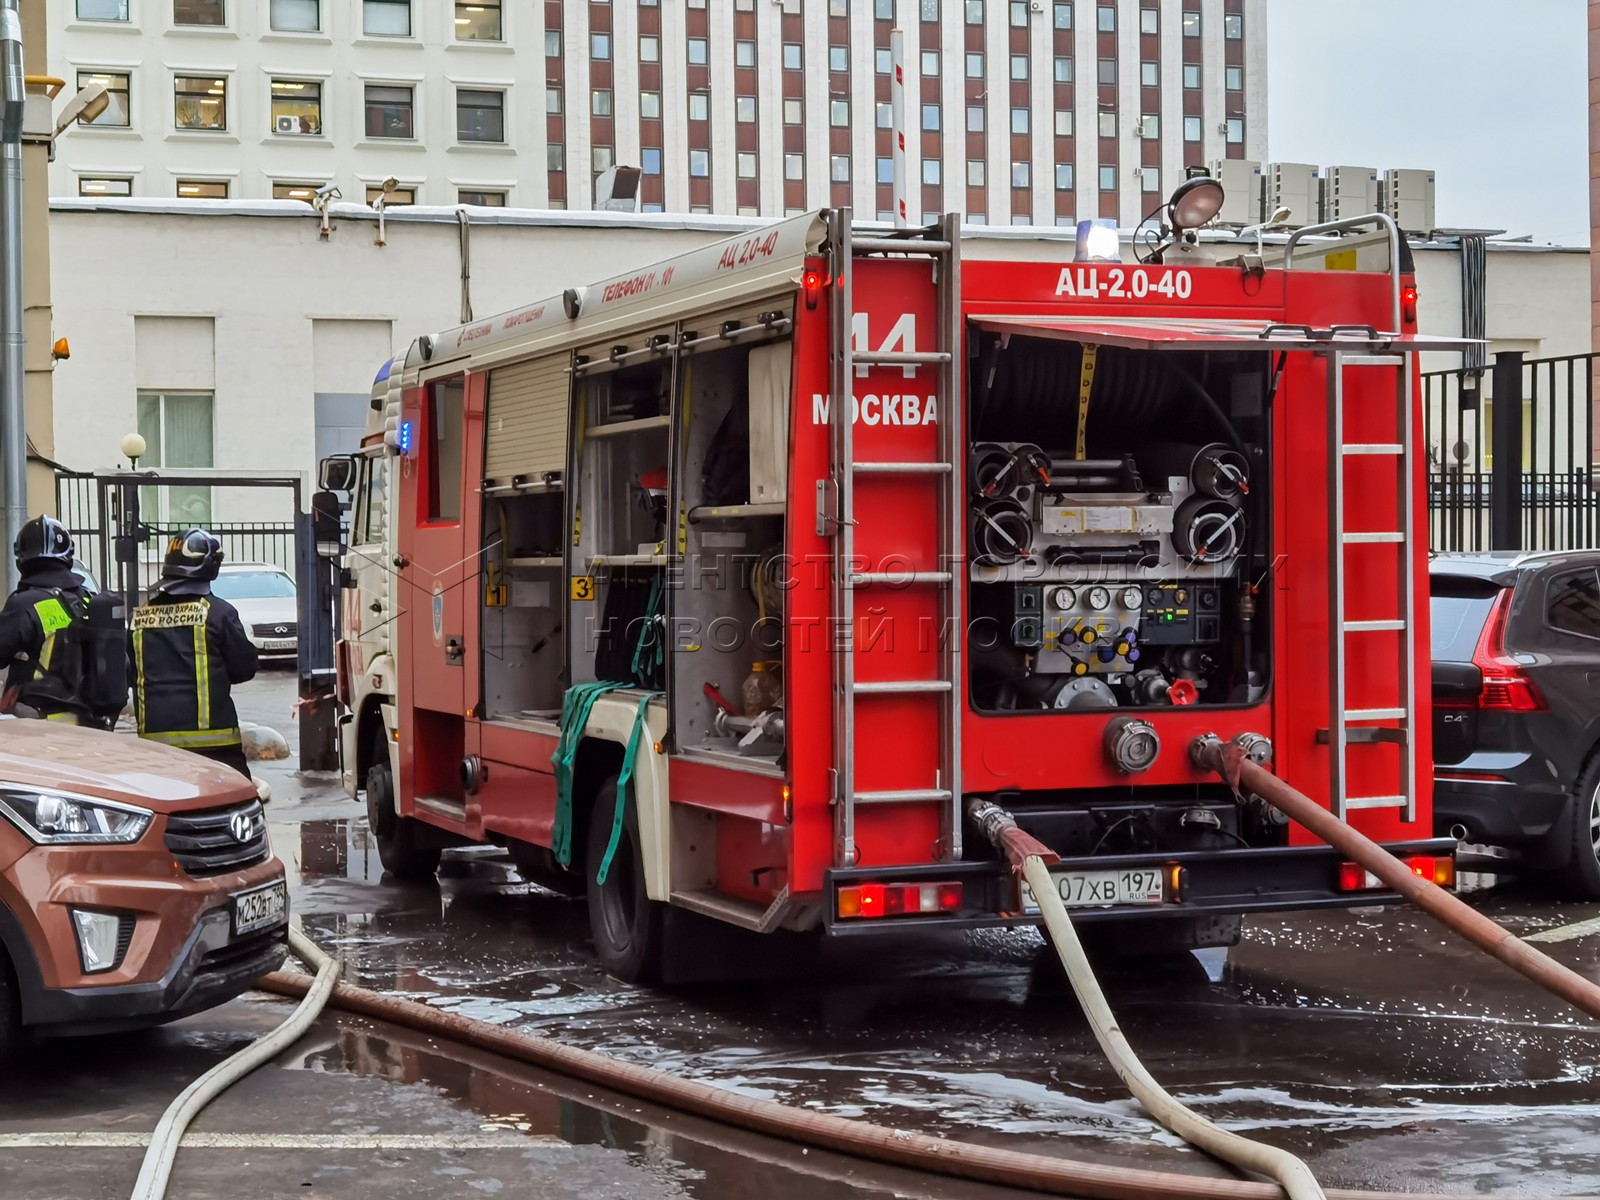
x=837 y=518
x=1366 y=726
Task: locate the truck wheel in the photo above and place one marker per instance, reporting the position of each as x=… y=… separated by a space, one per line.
x=400 y=849
x=1581 y=878
x=629 y=928
x=537 y=864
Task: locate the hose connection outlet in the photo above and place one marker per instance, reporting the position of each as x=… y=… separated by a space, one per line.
x=1257 y=747
x=1132 y=745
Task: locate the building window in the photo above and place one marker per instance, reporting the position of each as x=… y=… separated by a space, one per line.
x=1108 y=124
x=1108 y=179
x=600 y=46
x=885 y=114
x=697 y=52
x=700 y=163
x=555 y=157
x=1150 y=126
x=1021 y=175
x=974 y=10
x=1063 y=177
x=836 y=8
x=932 y=172
x=1235 y=79
x=839 y=168
x=650 y=160
x=1149 y=20
x=930 y=10
x=650 y=49
x=202 y=189
x=1063 y=70
x=975 y=172
x=1235 y=131
x=1019 y=14
x=650 y=106
x=975 y=119
x=975 y=65
x=1191 y=75
x=744 y=108
x=838 y=59
x=552 y=100
x=1063 y=122
x=744 y=54
x=602 y=158
x=699 y=106
x=1191 y=24
x=389 y=111
x=1106 y=18
x=386 y=18
x=481 y=115
x=295 y=16
x=296 y=106
x=1063 y=16
x=104 y=187
x=792 y=111
x=1108 y=70
x=483 y=199
x=1149 y=74
x=1019 y=66
x=883 y=60
x=1019 y=120
x=118 y=114
x=839 y=114
x=480 y=21
x=600 y=102
x=552 y=43
x=283 y=190
x=200 y=103
x=1150 y=179
x=930 y=63
x=793 y=166
x=1191 y=129
x=792 y=56
x=930 y=117
x=1233 y=26
x=177 y=431
x=199 y=12
x=102 y=10
x=885 y=168
x=883 y=10
x=745 y=165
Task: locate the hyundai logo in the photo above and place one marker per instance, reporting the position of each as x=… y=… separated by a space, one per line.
x=280 y=629
x=243 y=826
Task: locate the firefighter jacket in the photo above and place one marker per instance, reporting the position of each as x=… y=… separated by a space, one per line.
x=37 y=639
x=186 y=652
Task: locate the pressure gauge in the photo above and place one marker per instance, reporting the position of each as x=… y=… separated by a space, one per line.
x=1099 y=598
x=1133 y=598
x=1064 y=598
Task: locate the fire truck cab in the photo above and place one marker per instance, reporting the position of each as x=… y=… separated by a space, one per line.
x=732 y=588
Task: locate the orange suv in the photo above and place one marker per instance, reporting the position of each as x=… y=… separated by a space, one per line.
x=136 y=882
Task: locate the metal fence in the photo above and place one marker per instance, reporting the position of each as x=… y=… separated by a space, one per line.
x=1510 y=452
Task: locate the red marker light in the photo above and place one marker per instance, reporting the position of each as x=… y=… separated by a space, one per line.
x=811 y=282
x=1408 y=303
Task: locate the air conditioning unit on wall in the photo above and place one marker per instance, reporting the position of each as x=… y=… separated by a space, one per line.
x=286 y=124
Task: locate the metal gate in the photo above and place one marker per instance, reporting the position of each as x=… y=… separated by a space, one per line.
x=119 y=550
x=1511 y=455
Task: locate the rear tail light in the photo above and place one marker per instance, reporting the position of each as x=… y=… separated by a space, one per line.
x=898 y=899
x=1353 y=877
x=1505 y=687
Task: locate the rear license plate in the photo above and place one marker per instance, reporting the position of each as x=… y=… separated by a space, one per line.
x=1101 y=889
x=278 y=644
x=260 y=908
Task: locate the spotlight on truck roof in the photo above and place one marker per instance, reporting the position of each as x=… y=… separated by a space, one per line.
x=1194 y=203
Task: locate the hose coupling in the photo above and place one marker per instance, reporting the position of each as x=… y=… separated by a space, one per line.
x=1257 y=747
x=1202 y=749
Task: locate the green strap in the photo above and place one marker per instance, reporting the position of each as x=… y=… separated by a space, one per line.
x=623 y=779
x=650 y=651
x=575 y=708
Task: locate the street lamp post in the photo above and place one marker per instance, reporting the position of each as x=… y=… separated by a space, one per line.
x=13 y=405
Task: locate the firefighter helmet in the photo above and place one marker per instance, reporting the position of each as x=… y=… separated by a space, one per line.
x=192 y=554
x=43 y=540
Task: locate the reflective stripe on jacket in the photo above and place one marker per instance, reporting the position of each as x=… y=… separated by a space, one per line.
x=186 y=653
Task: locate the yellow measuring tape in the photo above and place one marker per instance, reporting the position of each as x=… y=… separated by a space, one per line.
x=1085 y=386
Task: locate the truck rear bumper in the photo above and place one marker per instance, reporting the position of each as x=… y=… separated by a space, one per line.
x=1211 y=883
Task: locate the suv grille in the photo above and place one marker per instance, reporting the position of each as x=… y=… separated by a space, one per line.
x=280 y=629
x=204 y=843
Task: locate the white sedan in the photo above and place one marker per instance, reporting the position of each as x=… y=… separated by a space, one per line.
x=265 y=597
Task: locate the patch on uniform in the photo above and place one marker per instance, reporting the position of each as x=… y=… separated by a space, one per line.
x=53 y=615
x=168 y=616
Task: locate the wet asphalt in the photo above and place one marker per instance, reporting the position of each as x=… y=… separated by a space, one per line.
x=1383 y=1050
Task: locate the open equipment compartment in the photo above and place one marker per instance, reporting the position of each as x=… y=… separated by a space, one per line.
x=1120 y=528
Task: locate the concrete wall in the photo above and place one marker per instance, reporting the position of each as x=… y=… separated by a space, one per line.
x=297 y=325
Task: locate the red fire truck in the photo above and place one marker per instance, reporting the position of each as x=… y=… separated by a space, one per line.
x=735 y=588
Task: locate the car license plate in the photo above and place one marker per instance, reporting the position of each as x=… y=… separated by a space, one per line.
x=260 y=908
x=1101 y=889
x=278 y=644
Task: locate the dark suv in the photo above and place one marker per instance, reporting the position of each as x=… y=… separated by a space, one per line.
x=1516 y=707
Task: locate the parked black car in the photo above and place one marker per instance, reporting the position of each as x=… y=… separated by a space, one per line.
x=1516 y=719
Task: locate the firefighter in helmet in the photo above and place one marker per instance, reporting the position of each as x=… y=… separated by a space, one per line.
x=39 y=630
x=188 y=648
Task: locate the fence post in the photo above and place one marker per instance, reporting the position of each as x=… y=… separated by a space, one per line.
x=1505 y=475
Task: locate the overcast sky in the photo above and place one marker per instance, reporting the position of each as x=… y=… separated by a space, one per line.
x=1492 y=95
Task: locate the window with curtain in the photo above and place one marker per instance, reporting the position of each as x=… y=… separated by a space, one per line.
x=178 y=429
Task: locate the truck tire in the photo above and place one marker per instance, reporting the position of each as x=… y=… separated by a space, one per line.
x=1580 y=879
x=403 y=853
x=538 y=865
x=629 y=928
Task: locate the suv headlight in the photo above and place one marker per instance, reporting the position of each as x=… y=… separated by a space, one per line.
x=53 y=818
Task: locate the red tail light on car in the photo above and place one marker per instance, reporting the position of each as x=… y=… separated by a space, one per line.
x=1506 y=688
